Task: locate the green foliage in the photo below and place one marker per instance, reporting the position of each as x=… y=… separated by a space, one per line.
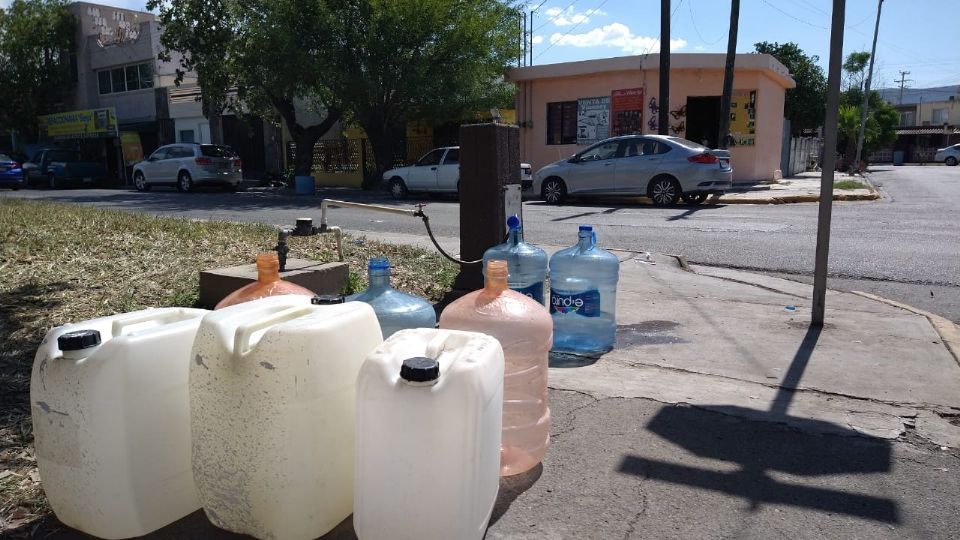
x=804 y=105
x=36 y=37
x=398 y=60
x=855 y=65
x=881 y=130
x=248 y=60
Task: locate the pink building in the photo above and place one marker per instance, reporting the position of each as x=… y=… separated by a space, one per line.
x=562 y=108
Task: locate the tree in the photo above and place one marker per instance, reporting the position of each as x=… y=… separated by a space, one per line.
x=804 y=104
x=882 y=120
x=36 y=37
x=855 y=65
x=399 y=60
x=248 y=60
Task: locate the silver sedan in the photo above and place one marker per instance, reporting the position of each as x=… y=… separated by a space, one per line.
x=665 y=169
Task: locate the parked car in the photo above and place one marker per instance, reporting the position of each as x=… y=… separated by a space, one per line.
x=949 y=155
x=663 y=168
x=11 y=173
x=186 y=165
x=57 y=167
x=438 y=171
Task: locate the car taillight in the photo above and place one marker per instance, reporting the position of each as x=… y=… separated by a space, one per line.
x=203 y=160
x=238 y=163
x=705 y=158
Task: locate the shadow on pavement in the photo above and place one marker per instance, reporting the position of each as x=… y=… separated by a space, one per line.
x=512 y=487
x=804 y=452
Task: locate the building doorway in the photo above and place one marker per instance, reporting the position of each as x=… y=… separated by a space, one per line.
x=703 y=120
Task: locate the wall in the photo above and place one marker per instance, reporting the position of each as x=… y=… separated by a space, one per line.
x=749 y=163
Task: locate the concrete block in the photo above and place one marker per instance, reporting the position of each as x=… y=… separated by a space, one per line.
x=321 y=278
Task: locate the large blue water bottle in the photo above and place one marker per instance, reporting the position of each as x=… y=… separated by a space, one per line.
x=526 y=263
x=395 y=310
x=583 y=297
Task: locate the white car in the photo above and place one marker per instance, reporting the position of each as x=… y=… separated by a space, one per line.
x=438 y=172
x=186 y=165
x=949 y=155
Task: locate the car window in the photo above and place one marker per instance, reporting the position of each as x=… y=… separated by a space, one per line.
x=453 y=157
x=63 y=155
x=37 y=157
x=605 y=150
x=4 y=157
x=184 y=152
x=686 y=143
x=432 y=158
x=215 y=150
x=160 y=153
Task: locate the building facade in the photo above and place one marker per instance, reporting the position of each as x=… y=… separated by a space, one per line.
x=929 y=119
x=562 y=108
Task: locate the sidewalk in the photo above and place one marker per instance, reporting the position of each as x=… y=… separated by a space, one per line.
x=721 y=413
x=804 y=187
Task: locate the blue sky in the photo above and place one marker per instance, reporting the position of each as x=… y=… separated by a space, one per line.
x=919 y=36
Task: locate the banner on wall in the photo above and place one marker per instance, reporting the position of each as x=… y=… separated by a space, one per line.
x=131 y=146
x=593 y=119
x=89 y=123
x=626 y=111
x=743 y=117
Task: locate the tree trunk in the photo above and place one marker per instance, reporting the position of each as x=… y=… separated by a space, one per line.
x=383 y=142
x=305 y=138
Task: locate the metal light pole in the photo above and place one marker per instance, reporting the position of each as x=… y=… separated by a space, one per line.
x=829 y=164
x=663 y=121
x=866 y=90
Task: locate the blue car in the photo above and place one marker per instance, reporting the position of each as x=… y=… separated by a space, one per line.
x=11 y=173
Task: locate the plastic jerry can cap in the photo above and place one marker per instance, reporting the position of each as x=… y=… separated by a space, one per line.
x=420 y=369
x=78 y=340
x=327 y=299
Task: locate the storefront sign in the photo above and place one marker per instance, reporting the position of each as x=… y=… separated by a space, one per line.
x=743 y=117
x=593 y=119
x=132 y=148
x=626 y=111
x=91 y=123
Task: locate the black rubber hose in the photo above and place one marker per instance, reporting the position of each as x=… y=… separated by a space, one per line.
x=426 y=223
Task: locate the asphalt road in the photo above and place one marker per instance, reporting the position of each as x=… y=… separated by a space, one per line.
x=905 y=246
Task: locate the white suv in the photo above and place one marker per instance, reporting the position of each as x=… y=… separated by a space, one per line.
x=186 y=165
x=437 y=171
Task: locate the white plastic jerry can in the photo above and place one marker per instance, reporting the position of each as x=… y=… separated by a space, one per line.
x=111 y=421
x=271 y=407
x=429 y=413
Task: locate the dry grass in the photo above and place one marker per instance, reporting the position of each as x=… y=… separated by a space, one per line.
x=63 y=263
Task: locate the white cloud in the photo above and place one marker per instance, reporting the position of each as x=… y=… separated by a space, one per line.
x=699 y=48
x=570 y=17
x=537 y=40
x=615 y=35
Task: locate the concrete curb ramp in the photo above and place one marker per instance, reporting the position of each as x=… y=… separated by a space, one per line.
x=789 y=199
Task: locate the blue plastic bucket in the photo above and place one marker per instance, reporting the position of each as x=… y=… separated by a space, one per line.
x=304 y=185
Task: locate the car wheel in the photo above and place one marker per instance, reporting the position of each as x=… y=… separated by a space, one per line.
x=51 y=181
x=664 y=191
x=695 y=198
x=184 y=182
x=398 y=190
x=950 y=161
x=140 y=182
x=554 y=191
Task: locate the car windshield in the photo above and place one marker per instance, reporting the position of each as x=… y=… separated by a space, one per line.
x=686 y=143
x=214 y=150
x=4 y=157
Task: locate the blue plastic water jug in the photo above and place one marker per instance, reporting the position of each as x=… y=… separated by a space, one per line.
x=395 y=310
x=583 y=297
x=526 y=263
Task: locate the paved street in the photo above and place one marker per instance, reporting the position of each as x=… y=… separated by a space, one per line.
x=904 y=246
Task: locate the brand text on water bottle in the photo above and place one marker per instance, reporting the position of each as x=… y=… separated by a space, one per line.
x=586 y=304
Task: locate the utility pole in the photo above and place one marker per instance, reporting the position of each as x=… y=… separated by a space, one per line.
x=728 y=73
x=829 y=164
x=663 y=121
x=903 y=80
x=530 y=48
x=866 y=90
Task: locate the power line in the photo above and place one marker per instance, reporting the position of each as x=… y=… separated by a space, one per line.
x=697 y=30
x=574 y=27
x=798 y=19
x=660 y=38
x=551 y=19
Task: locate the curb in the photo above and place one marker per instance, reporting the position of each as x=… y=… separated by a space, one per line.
x=790 y=199
x=949 y=333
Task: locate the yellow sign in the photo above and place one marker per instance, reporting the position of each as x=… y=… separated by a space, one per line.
x=132 y=148
x=80 y=124
x=743 y=117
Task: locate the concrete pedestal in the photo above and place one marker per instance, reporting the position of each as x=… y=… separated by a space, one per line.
x=321 y=278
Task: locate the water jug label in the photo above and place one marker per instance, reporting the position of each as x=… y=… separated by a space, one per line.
x=586 y=303
x=534 y=291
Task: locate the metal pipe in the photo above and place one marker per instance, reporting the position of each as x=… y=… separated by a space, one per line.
x=345 y=204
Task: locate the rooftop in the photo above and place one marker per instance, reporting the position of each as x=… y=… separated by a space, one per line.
x=912 y=96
